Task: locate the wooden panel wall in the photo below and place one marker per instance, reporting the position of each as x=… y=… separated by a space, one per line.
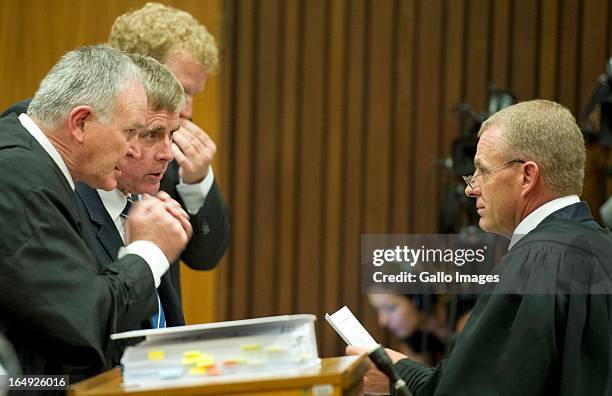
x=337 y=112
x=35 y=33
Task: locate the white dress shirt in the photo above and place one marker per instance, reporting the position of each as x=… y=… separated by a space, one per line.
x=193 y=195
x=537 y=216
x=42 y=139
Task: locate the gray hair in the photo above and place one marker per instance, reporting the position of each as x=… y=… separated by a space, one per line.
x=164 y=91
x=544 y=132
x=91 y=76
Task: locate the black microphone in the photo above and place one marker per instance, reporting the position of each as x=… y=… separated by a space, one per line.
x=384 y=364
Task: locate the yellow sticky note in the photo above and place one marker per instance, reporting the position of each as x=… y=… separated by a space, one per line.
x=197 y=371
x=205 y=361
x=191 y=354
x=275 y=348
x=189 y=360
x=156 y=354
x=250 y=347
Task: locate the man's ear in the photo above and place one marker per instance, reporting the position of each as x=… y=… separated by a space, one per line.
x=77 y=121
x=531 y=177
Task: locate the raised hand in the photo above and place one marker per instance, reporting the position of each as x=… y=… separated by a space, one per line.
x=160 y=221
x=193 y=150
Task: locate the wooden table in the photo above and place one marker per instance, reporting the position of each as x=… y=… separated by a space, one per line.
x=336 y=376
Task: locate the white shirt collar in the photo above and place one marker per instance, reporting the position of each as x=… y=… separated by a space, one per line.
x=46 y=144
x=537 y=216
x=114 y=201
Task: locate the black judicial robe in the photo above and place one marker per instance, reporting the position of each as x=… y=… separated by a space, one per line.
x=545 y=329
x=58 y=305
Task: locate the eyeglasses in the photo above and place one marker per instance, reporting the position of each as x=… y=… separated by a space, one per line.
x=469 y=180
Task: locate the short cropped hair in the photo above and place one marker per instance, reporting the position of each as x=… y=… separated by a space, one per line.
x=91 y=76
x=156 y=29
x=164 y=91
x=544 y=132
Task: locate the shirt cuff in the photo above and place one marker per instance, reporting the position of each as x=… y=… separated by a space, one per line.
x=194 y=195
x=152 y=254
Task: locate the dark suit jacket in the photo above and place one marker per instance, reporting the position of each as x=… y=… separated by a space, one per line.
x=58 y=305
x=211 y=227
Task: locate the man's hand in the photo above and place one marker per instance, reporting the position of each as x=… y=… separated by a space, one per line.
x=194 y=151
x=160 y=220
x=374 y=381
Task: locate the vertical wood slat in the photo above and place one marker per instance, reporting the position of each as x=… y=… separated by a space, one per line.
x=378 y=147
x=242 y=182
x=427 y=121
x=229 y=69
x=291 y=63
x=476 y=52
x=549 y=30
x=450 y=98
x=352 y=169
x=264 y=233
x=567 y=48
x=524 y=41
x=309 y=223
x=451 y=73
x=501 y=43
x=403 y=191
x=331 y=273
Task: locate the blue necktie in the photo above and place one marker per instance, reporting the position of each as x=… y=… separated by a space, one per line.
x=158 y=320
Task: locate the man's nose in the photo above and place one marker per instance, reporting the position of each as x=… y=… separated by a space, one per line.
x=165 y=151
x=134 y=148
x=472 y=192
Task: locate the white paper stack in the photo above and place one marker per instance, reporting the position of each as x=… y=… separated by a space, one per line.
x=217 y=351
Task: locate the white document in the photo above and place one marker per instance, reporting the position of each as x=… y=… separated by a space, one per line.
x=349 y=328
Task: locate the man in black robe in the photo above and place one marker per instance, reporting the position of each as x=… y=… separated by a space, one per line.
x=546 y=327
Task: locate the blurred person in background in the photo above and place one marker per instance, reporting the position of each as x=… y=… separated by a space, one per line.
x=418 y=321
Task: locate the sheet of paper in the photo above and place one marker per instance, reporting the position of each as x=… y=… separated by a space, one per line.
x=350 y=329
